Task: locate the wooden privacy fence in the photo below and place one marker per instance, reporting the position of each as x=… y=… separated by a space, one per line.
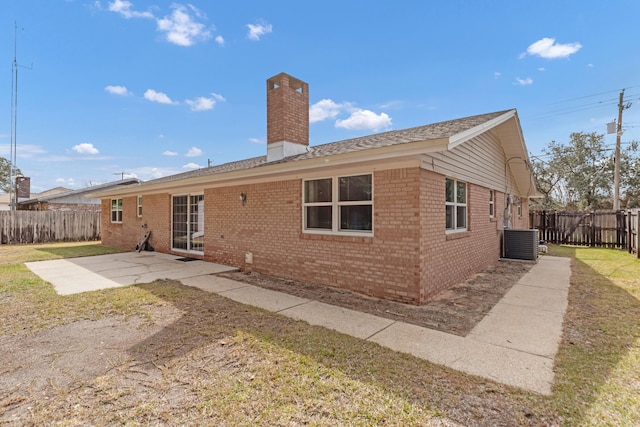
x=610 y=229
x=48 y=226
x=633 y=239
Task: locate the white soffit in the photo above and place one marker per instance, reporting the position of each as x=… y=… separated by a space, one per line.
x=468 y=134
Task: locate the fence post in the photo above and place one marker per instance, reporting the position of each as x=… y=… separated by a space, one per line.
x=618 y=233
x=592 y=229
x=629 y=230
x=625 y=240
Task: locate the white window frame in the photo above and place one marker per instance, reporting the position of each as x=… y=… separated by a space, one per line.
x=139 y=207
x=519 y=207
x=117 y=209
x=492 y=203
x=455 y=204
x=336 y=205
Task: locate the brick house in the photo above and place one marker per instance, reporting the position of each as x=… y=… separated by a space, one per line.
x=400 y=215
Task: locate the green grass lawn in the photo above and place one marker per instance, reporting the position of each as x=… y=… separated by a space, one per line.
x=223 y=363
x=598 y=366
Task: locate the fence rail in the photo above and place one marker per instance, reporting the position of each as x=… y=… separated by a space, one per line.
x=48 y=226
x=610 y=229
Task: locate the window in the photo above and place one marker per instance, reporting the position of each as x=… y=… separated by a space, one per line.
x=519 y=202
x=139 y=206
x=116 y=210
x=492 y=204
x=338 y=205
x=456 y=205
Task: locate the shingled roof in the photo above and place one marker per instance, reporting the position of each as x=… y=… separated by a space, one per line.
x=435 y=131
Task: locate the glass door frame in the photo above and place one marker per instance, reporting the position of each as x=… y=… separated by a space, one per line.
x=192 y=235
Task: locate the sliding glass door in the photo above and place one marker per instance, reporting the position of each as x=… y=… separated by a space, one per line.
x=187 y=223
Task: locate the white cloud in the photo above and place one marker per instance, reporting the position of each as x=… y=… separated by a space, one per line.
x=589 y=65
x=170 y=153
x=181 y=27
x=158 y=97
x=153 y=172
x=523 y=82
x=203 y=104
x=541 y=69
x=258 y=30
x=117 y=90
x=358 y=119
x=191 y=166
x=365 y=119
x=497 y=75
x=193 y=152
x=85 y=148
x=123 y=7
x=25 y=151
x=549 y=49
x=256 y=141
x=66 y=182
x=220 y=40
x=327 y=109
x=391 y=104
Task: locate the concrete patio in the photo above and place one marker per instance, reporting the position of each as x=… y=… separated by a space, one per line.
x=515 y=344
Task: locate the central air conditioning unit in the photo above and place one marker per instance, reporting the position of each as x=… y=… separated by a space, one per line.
x=521 y=244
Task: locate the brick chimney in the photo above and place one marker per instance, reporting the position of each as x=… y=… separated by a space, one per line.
x=287 y=117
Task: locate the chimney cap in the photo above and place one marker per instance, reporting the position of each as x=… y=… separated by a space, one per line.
x=284 y=79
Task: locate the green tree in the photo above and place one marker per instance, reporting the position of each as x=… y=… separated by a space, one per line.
x=630 y=176
x=578 y=175
x=5 y=175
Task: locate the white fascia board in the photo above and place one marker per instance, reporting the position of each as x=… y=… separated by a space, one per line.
x=468 y=134
x=282 y=169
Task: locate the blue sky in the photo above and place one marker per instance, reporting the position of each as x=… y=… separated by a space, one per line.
x=152 y=88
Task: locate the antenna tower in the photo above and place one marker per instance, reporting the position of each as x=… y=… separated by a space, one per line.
x=13 y=146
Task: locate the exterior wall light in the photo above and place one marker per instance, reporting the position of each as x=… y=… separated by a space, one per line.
x=243 y=198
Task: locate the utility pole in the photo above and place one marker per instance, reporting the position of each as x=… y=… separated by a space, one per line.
x=616 y=176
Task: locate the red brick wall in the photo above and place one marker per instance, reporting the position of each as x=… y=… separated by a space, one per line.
x=270 y=227
x=156 y=214
x=520 y=221
x=410 y=258
x=125 y=234
x=449 y=258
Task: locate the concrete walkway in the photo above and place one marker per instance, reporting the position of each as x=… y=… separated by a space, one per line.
x=515 y=344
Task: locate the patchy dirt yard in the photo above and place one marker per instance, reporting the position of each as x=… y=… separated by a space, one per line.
x=185 y=357
x=455 y=311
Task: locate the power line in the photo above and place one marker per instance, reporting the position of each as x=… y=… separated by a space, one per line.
x=573 y=109
x=592 y=95
x=584 y=106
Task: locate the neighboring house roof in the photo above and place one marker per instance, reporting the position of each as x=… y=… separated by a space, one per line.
x=50 y=192
x=5 y=198
x=414 y=141
x=78 y=196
